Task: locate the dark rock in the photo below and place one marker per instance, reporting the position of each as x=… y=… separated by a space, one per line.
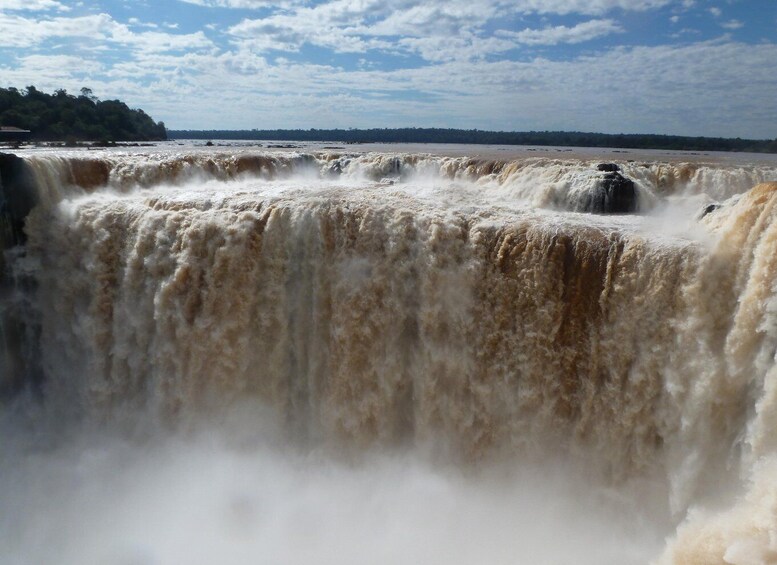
x=336 y=169
x=103 y=143
x=619 y=195
x=21 y=331
x=611 y=194
x=17 y=197
x=709 y=209
x=608 y=167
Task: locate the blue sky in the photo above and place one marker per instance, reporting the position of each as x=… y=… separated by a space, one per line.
x=692 y=67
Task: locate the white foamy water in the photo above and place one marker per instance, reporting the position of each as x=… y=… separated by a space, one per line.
x=333 y=357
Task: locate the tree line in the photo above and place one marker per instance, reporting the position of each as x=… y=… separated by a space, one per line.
x=478 y=137
x=62 y=116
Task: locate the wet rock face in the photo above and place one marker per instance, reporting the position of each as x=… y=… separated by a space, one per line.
x=618 y=194
x=19 y=331
x=613 y=193
x=17 y=197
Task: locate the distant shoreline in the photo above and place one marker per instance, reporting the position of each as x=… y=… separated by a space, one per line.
x=478 y=137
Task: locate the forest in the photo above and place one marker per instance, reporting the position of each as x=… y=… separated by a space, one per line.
x=444 y=135
x=62 y=116
x=65 y=117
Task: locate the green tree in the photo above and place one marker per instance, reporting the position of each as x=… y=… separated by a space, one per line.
x=62 y=116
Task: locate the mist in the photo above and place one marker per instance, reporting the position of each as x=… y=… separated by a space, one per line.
x=235 y=490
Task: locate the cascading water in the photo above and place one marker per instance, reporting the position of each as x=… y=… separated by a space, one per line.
x=456 y=313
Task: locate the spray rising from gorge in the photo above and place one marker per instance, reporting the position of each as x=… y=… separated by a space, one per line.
x=491 y=318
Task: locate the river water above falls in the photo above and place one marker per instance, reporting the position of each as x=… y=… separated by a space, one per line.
x=285 y=357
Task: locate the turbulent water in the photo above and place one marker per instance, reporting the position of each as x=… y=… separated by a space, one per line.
x=285 y=358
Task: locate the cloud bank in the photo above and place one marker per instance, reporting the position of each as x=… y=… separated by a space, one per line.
x=594 y=65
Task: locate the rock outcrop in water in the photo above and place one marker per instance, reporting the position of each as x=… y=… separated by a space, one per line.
x=606 y=191
x=612 y=194
x=709 y=209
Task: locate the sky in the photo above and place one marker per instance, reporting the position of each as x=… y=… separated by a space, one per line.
x=684 y=67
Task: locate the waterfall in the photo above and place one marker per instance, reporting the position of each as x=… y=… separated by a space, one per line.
x=381 y=300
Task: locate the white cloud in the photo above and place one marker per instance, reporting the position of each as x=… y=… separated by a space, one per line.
x=335 y=26
x=50 y=72
x=585 y=31
x=138 y=23
x=33 y=5
x=462 y=79
x=431 y=18
x=732 y=24
x=282 y=34
x=692 y=89
x=240 y=4
x=438 y=30
x=686 y=31
x=18 y=31
x=447 y=48
x=716 y=12
x=674 y=19
x=587 y=7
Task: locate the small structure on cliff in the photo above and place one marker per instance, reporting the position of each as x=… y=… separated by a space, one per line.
x=12 y=134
